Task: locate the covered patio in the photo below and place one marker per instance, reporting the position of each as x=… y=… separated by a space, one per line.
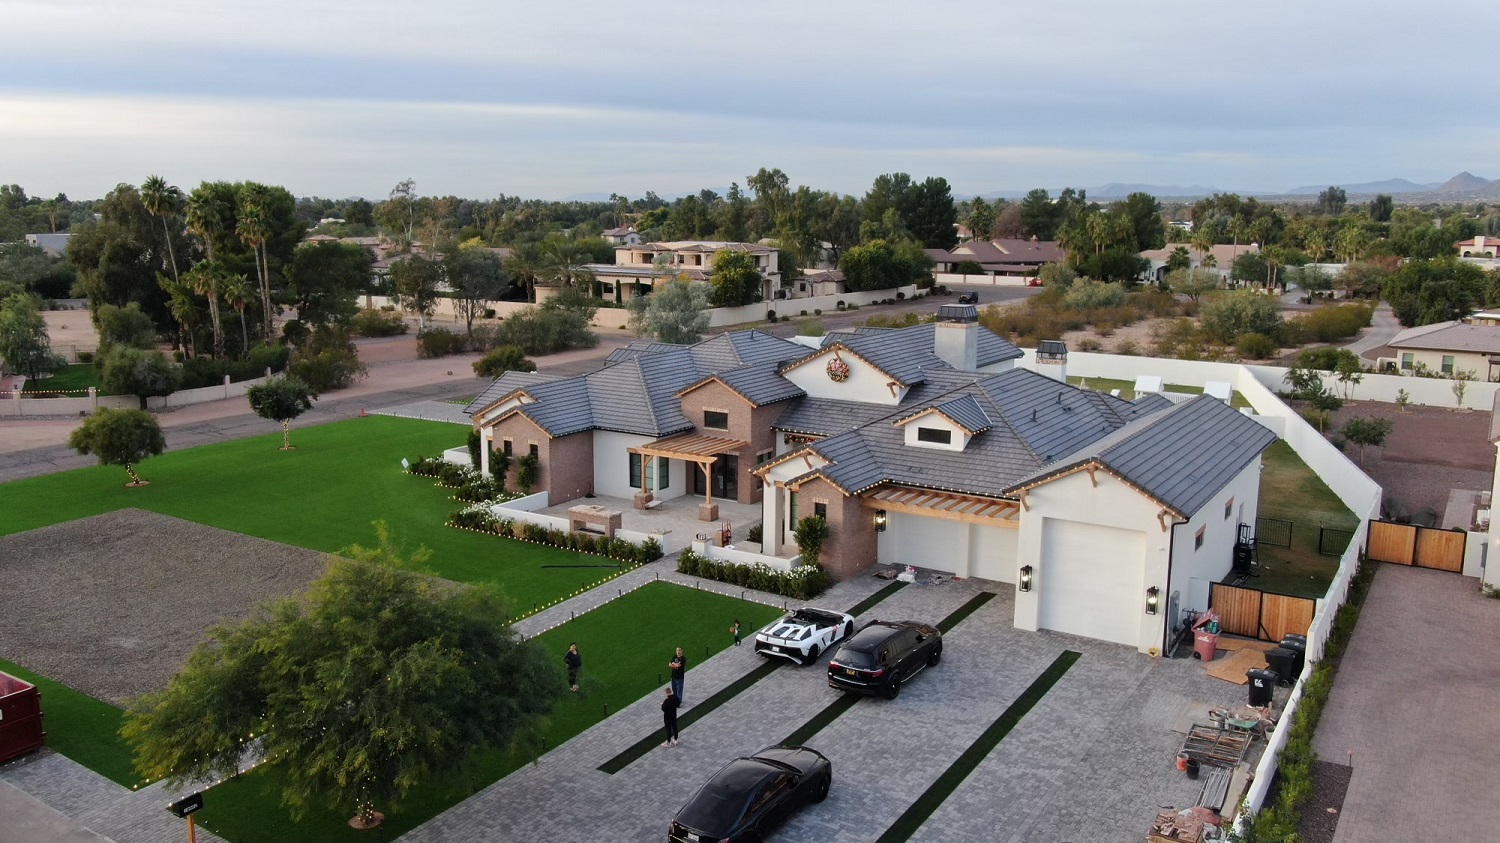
x=676 y=518
x=717 y=459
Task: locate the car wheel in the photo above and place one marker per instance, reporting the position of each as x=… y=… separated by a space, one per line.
x=937 y=656
x=822 y=792
x=893 y=690
x=848 y=629
x=812 y=653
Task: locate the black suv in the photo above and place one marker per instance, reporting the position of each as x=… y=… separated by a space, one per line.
x=882 y=655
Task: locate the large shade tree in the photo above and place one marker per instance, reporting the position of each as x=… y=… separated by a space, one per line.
x=377 y=680
x=676 y=312
x=119 y=437
x=24 y=344
x=282 y=400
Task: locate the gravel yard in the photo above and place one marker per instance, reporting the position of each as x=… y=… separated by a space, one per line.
x=111 y=605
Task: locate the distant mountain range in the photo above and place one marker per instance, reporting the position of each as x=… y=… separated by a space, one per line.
x=1464 y=186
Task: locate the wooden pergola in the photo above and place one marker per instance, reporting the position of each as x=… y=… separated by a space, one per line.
x=690 y=447
x=953 y=506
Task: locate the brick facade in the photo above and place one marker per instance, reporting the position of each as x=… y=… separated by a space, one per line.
x=565 y=466
x=746 y=423
x=850 y=547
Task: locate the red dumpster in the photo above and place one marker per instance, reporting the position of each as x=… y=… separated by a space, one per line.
x=20 y=718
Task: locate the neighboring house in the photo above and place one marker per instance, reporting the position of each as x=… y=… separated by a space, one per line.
x=625 y=235
x=817 y=282
x=1448 y=347
x=920 y=446
x=1000 y=257
x=53 y=244
x=1478 y=247
x=1222 y=263
x=639 y=268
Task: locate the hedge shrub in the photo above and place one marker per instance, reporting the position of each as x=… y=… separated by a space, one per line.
x=802 y=583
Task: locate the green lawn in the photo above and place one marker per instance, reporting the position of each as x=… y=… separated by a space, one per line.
x=1127 y=389
x=81 y=727
x=324 y=496
x=77 y=377
x=1291 y=491
x=624 y=644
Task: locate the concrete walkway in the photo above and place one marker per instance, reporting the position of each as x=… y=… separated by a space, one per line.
x=1383 y=328
x=1414 y=711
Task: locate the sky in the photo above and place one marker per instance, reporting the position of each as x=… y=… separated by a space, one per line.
x=478 y=98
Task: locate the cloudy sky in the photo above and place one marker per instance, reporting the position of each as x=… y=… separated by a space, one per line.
x=550 y=99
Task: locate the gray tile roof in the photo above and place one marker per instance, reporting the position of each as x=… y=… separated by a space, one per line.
x=918 y=340
x=1182 y=456
x=761 y=383
x=1450 y=336
x=636 y=391
x=966 y=411
x=1028 y=427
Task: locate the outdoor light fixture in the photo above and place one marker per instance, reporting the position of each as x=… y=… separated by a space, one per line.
x=1153 y=597
x=880 y=521
x=1025 y=578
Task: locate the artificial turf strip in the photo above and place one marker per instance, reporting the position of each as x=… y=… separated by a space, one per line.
x=912 y=818
x=957 y=616
x=870 y=602
x=643 y=747
x=322 y=496
x=84 y=729
x=621 y=662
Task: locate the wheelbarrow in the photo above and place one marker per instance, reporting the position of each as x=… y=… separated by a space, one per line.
x=1254 y=721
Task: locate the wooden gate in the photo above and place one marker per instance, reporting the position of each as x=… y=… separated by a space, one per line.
x=1260 y=614
x=1423 y=547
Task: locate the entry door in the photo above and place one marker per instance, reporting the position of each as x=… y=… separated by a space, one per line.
x=724 y=474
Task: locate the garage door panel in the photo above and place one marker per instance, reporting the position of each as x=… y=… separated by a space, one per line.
x=1089 y=579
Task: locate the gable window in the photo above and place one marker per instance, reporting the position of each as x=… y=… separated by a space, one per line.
x=1228 y=508
x=935 y=434
x=1447 y=364
x=716 y=419
x=821 y=510
x=1198 y=538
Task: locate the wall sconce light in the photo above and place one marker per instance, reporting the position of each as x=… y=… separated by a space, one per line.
x=1153 y=599
x=880 y=521
x=1025 y=584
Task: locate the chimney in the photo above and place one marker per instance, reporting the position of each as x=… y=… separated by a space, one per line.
x=955 y=339
x=1052 y=360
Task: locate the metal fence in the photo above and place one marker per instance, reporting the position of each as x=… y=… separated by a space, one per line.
x=1273 y=531
x=1332 y=541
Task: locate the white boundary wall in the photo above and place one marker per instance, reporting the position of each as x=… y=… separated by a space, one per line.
x=16 y=406
x=445 y=316
x=744 y=557
x=1258 y=384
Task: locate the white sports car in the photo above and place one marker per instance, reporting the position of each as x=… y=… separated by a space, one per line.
x=803 y=634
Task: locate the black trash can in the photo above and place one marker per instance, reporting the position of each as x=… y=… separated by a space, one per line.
x=1284 y=663
x=1192 y=768
x=1297 y=644
x=1262 y=686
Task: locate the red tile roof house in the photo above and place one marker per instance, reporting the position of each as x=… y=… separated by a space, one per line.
x=1001 y=258
x=921 y=446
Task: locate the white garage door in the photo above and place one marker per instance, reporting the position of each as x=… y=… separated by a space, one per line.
x=1089 y=581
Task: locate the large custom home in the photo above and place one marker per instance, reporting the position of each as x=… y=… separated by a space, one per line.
x=639 y=267
x=924 y=446
x=1453 y=347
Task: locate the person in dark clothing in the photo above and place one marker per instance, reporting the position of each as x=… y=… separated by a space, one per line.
x=669 y=706
x=735 y=631
x=574 y=662
x=678 y=664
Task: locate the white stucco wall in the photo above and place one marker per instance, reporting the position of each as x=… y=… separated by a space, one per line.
x=1193 y=570
x=1074 y=500
x=865 y=383
x=612 y=466
x=958 y=438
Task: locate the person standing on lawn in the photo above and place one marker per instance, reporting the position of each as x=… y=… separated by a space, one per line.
x=678 y=664
x=669 y=705
x=735 y=631
x=574 y=662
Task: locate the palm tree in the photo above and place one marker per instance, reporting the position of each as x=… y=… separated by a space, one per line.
x=207 y=217
x=208 y=280
x=254 y=230
x=237 y=294
x=525 y=264
x=163 y=200
x=1203 y=242
x=563 y=263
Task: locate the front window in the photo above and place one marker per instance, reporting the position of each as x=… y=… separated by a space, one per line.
x=535 y=451
x=1406 y=359
x=1447 y=364
x=508 y=448
x=716 y=419
x=933 y=434
x=635 y=471
x=821 y=510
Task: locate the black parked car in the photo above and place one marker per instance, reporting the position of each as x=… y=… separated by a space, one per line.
x=750 y=796
x=882 y=655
